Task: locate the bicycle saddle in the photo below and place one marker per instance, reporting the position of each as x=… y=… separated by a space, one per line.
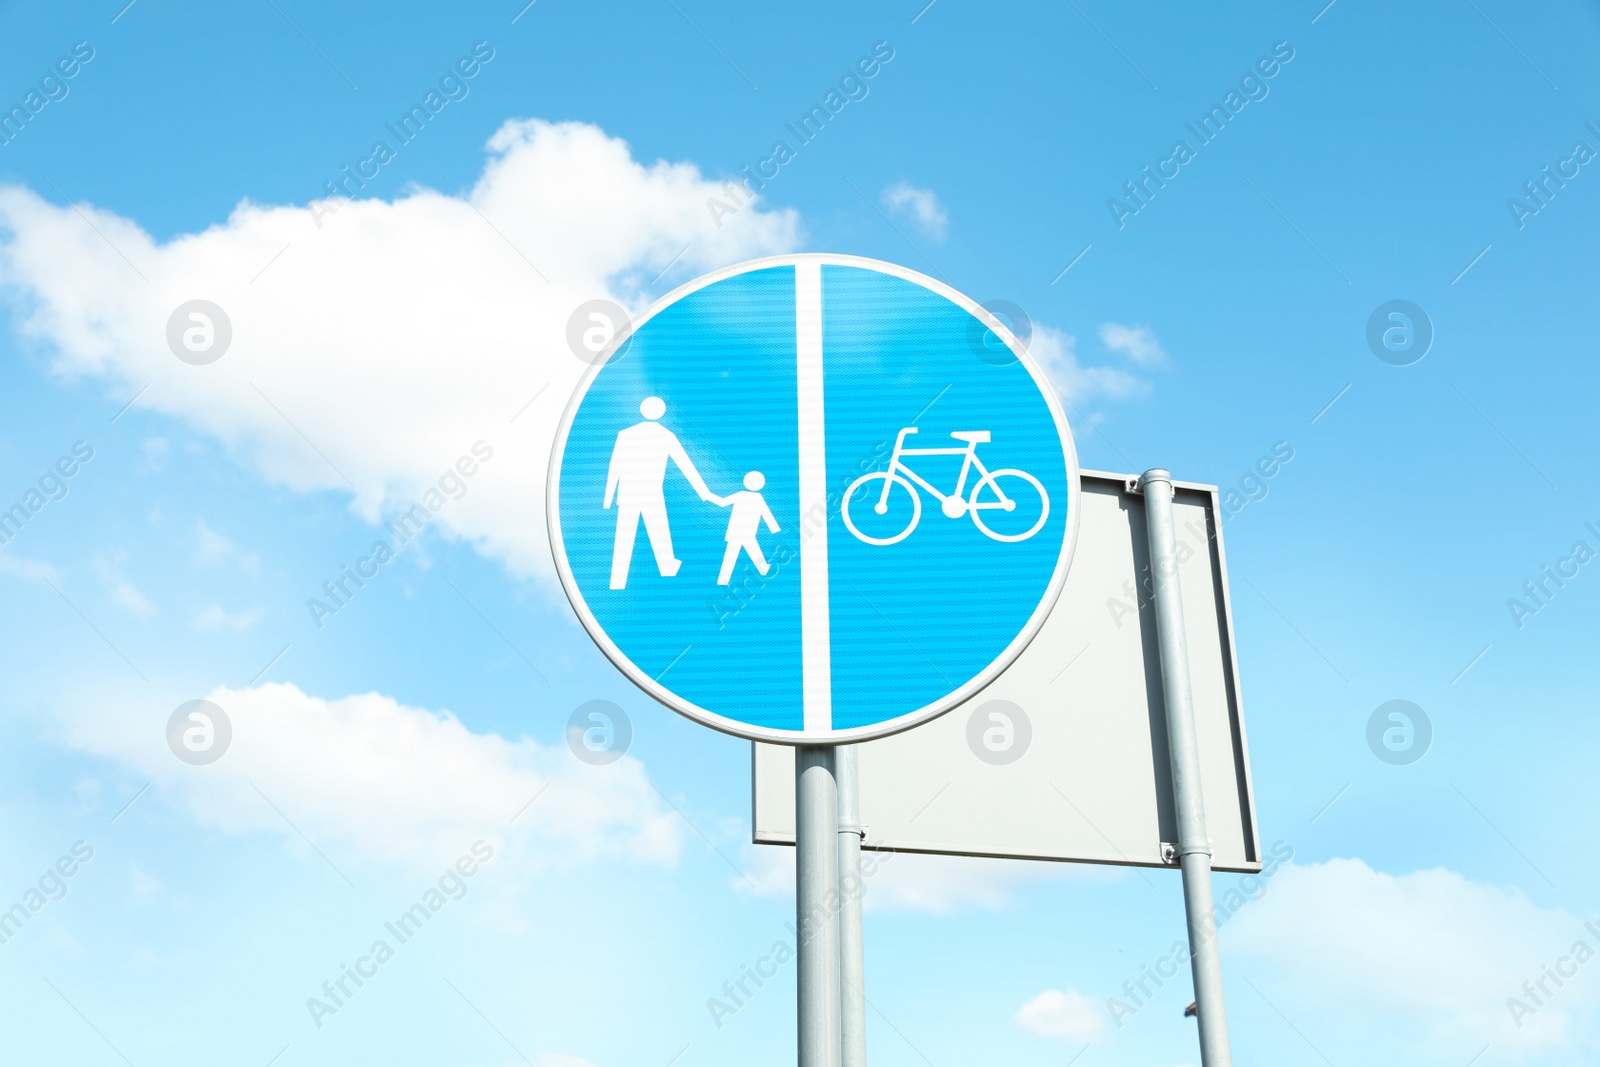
x=972 y=437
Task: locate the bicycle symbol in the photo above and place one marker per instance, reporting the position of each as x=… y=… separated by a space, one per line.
x=959 y=502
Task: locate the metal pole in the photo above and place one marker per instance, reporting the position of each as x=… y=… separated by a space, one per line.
x=816 y=840
x=1194 y=847
x=852 y=966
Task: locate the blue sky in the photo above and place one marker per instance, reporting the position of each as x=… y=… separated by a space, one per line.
x=375 y=342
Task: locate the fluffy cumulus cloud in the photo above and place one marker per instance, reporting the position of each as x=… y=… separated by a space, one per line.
x=29 y=569
x=213 y=548
x=921 y=206
x=122 y=592
x=1070 y=1015
x=1430 y=954
x=368 y=779
x=1083 y=383
x=374 y=341
x=1136 y=343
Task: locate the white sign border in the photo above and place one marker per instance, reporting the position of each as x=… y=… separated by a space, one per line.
x=736 y=728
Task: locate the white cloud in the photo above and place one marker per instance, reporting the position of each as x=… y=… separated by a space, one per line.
x=1137 y=343
x=123 y=593
x=1057 y=353
x=211 y=546
x=1429 y=954
x=770 y=869
x=1070 y=1015
x=389 y=336
x=32 y=570
x=392 y=335
x=922 y=205
x=213 y=618
x=126 y=595
x=368 y=778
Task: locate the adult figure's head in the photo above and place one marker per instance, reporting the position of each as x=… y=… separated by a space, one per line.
x=653 y=408
x=754 y=481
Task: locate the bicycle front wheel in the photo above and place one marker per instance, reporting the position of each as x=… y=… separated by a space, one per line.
x=1012 y=500
x=866 y=493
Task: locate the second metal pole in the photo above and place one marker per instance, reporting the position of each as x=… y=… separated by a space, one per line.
x=816 y=841
x=852 y=966
x=1194 y=846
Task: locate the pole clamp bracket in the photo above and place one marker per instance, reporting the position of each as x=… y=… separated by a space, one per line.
x=1171 y=853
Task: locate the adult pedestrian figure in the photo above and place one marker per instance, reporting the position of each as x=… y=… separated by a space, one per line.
x=638 y=472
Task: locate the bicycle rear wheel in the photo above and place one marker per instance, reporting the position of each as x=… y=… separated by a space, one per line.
x=1025 y=493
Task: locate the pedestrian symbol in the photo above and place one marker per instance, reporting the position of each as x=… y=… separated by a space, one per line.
x=749 y=510
x=817 y=603
x=638 y=471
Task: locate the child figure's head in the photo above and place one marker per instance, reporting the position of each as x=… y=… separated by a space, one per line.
x=754 y=481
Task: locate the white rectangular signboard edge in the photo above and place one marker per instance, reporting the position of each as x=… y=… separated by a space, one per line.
x=1091 y=783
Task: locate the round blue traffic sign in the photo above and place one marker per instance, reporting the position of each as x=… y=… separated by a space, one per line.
x=797 y=501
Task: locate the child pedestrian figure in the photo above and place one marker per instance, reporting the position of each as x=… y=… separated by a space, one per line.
x=749 y=511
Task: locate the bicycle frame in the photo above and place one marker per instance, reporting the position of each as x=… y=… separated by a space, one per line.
x=971 y=460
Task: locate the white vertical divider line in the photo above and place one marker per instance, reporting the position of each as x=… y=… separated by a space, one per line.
x=815 y=642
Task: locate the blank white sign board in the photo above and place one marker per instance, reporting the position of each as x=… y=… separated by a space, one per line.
x=1081 y=774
